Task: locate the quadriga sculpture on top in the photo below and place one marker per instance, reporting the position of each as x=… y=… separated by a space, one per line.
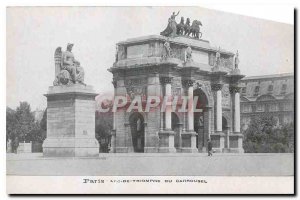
x=173 y=29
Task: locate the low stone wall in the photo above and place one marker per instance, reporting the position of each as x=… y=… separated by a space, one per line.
x=24 y=147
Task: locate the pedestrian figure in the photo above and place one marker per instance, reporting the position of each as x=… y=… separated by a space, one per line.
x=209 y=147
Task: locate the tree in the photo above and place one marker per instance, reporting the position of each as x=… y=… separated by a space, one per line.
x=264 y=136
x=11 y=122
x=25 y=122
x=42 y=128
x=104 y=123
x=20 y=124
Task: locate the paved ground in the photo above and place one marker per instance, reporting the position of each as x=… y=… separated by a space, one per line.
x=154 y=164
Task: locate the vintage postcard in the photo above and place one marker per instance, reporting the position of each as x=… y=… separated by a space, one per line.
x=148 y=100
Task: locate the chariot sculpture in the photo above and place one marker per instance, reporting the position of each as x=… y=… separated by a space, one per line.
x=173 y=29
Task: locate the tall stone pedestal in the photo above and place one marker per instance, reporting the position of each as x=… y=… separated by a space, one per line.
x=71 y=122
x=188 y=140
x=166 y=141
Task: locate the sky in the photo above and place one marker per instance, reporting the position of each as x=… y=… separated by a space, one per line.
x=33 y=34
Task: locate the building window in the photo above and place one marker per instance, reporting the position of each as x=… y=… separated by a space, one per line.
x=260 y=107
x=246 y=109
x=256 y=91
x=283 y=89
x=273 y=107
x=253 y=107
x=244 y=90
x=288 y=106
x=270 y=88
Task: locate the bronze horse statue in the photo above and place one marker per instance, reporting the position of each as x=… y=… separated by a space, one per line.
x=193 y=29
x=180 y=27
x=187 y=27
x=173 y=29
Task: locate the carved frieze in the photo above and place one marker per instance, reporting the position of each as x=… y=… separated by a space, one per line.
x=135 y=82
x=137 y=91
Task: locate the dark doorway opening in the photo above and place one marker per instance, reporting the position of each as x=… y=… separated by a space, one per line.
x=137 y=127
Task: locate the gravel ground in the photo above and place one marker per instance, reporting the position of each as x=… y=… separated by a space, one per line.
x=181 y=164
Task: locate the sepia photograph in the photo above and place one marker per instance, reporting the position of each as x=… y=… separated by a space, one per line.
x=148 y=100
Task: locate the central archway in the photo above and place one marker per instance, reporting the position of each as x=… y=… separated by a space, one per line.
x=137 y=127
x=201 y=119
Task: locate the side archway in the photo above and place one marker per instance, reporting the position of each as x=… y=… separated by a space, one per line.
x=137 y=128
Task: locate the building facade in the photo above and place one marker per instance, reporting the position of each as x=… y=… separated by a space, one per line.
x=271 y=95
x=176 y=66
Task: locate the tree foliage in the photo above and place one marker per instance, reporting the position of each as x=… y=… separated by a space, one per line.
x=104 y=125
x=264 y=136
x=21 y=125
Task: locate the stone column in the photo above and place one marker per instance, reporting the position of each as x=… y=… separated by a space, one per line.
x=166 y=136
x=218 y=89
x=190 y=106
x=168 y=112
x=113 y=131
x=235 y=90
x=153 y=121
x=120 y=119
x=237 y=112
x=189 y=135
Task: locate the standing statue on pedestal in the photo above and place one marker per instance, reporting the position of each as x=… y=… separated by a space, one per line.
x=67 y=70
x=167 y=50
x=138 y=125
x=236 y=60
x=188 y=54
x=218 y=58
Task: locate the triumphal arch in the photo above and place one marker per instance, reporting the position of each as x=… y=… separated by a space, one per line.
x=176 y=63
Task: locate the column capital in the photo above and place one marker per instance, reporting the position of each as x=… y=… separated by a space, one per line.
x=188 y=83
x=234 y=89
x=166 y=80
x=216 y=86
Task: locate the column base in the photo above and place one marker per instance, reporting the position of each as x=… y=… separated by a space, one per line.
x=237 y=150
x=150 y=150
x=236 y=142
x=188 y=142
x=166 y=150
x=121 y=150
x=70 y=147
x=203 y=150
x=166 y=141
x=189 y=150
x=112 y=150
